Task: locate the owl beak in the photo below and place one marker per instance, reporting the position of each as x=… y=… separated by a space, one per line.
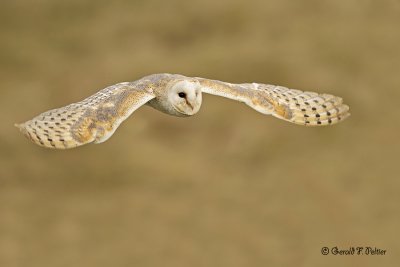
x=188 y=103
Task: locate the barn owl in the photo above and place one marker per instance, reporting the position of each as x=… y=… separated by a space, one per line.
x=95 y=119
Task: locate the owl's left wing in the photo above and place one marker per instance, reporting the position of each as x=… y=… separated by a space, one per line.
x=303 y=108
x=93 y=119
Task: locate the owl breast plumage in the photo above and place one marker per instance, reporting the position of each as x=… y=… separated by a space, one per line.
x=95 y=119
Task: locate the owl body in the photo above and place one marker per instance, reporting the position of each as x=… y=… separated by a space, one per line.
x=95 y=119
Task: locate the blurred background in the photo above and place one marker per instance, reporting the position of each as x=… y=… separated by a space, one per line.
x=227 y=187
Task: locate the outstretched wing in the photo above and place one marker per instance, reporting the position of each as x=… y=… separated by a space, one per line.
x=303 y=108
x=94 y=119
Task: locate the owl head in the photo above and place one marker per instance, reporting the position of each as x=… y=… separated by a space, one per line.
x=185 y=97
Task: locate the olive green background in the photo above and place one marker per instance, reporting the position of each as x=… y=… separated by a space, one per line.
x=227 y=187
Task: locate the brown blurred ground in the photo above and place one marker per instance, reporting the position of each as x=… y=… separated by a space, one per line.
x=228 y=187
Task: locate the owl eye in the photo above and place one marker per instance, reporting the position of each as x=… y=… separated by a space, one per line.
x=182 y=95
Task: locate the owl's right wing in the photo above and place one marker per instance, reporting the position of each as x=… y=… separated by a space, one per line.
x=92 y=120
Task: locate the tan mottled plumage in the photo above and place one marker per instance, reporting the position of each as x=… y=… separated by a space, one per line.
x=95 y=118
x=303 y=108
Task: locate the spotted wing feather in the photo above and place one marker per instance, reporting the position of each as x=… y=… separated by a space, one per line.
x=93 y=119
x=299 y=107
x=305 y=108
